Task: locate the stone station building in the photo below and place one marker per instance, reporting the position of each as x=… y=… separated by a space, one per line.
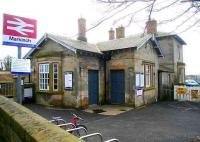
x=75 y=73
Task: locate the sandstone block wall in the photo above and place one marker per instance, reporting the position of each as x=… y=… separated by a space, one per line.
x=18 y=124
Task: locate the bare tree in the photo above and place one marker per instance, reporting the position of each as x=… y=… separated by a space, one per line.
x=185 y=13
x=7 y=62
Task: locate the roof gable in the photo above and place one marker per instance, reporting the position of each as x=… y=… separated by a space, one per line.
x=73 y=45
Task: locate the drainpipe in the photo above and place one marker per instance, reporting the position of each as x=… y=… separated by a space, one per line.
x=105 y=93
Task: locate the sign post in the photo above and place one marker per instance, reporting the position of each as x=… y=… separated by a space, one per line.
x=19 y=87
x=20 y=32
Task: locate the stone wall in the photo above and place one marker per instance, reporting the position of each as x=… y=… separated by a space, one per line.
x=18 y=124
x=89 y=63
x=167 y=62
x=122 y=60
x=147 y=54
x=78 y=64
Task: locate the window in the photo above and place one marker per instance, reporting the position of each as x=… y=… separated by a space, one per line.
x=55 y=77
x=149 y=77
x=44 y=76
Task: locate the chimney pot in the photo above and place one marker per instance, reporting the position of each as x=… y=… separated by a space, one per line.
x=120 y=32
x=111 y=34
x=82 y=29
x=151 y=26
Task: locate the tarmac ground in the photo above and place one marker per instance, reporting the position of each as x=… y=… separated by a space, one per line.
x=160 y=122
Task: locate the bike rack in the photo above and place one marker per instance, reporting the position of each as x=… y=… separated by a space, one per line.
x=65 y=125
x=92 y=135
x=79 y=128
x=99 y=135
x=56 y=117
x=57 y=120
x=112 y=140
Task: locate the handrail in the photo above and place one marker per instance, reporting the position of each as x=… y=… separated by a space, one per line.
x=92 y=135
x=112 y=140
x=79 y=128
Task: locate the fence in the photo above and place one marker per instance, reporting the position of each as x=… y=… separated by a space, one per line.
x=8 y=89
x=185 y=93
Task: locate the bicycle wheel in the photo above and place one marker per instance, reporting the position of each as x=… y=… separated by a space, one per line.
x=80 y=132
x=81 y=126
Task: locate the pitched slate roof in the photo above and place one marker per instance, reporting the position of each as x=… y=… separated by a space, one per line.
x=177 y=37
x=123 y=43
x=76 y=44
x=136 y=41
x=71 y=44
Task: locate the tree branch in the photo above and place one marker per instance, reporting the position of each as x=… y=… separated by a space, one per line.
x=167 y=6
x=176 y=17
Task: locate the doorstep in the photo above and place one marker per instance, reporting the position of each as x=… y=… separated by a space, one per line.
x=108 y=109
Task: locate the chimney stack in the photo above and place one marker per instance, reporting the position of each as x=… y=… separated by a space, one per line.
x=111 y=34
x=82 y=29
x=151 y=27
x=120 y=32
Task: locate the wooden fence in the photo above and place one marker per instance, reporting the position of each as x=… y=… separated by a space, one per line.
x=8 y=89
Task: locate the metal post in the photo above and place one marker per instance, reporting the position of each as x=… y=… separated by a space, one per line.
x=19 y=87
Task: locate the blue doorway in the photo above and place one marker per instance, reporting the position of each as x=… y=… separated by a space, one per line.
x=117 y=87
x=93 y=86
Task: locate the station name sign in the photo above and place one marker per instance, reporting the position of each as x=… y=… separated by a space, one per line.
x=21 y=66
x=19 y=31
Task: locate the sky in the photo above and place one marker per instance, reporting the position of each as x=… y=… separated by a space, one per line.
x=60 y=17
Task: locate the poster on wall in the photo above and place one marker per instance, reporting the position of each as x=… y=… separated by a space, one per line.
x=139 y=80
x=68 y=78
x=139 y=92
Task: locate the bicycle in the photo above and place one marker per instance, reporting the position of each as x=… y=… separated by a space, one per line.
x=74 y=123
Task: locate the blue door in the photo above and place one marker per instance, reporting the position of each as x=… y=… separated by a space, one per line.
x=93 y=86
x=117 y=87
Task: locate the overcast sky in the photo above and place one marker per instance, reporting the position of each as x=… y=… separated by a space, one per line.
x=60 y=17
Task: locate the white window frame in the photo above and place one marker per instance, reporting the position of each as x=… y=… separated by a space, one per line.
x=149 y=75
x=44 y=74
x=55 y=78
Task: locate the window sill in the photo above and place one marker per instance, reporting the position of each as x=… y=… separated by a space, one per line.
x=44 y=91
x=49 y=93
